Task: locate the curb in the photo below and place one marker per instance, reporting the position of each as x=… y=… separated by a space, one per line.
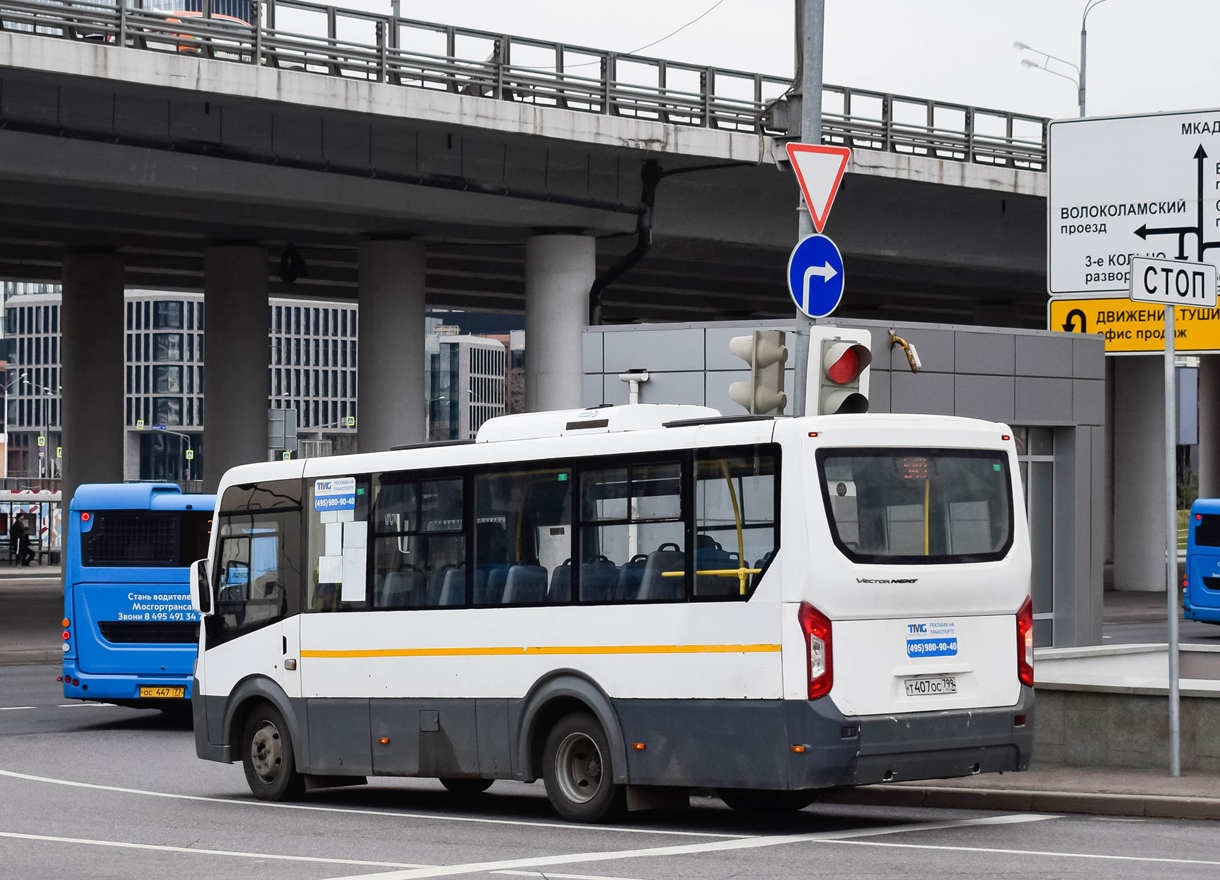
x=1097 y=803
x=30 y=657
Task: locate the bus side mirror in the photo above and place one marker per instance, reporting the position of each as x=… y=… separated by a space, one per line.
x=201 y=591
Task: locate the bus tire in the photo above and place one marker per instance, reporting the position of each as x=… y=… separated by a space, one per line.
x=578 y=772
x=467 y=787
x=755 y=800
x=267 y=756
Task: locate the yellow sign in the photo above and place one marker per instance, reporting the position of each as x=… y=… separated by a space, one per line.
x=287 y=456
x=59 y=452
x=1135 y=327
x=190 y=454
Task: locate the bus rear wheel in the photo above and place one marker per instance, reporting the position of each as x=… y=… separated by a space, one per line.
x=267 y=756
x=578 y=771
x=754 y=800
x=467 y=787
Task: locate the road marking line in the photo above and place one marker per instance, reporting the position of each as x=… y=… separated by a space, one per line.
x=432 y=817
x=205 y=852
x=13 y=708
x=1019 y=852
x=694 y=848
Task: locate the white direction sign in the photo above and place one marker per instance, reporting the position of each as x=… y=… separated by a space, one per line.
x=1130 y=186
x=1170 y=281
x=819 y=171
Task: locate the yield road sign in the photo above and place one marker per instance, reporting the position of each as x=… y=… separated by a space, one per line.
x=815 y=276
x=1135 y=328
x=1173 y=281
x=819 y=171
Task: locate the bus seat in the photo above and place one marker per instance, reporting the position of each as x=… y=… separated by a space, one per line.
x=598 y=580
x=401 y=589
x=709 y=555
x=436 y=583
x=489 y=580
x=561 y=582
x=629 y=577
x=524 y=584
x=653 y=584
x=453 y=590
x=761 y=565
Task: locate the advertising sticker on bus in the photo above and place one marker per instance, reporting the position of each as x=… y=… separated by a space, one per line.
x=334 y=494
x=932 y=638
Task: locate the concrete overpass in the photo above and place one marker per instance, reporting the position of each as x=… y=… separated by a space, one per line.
x=478 y=171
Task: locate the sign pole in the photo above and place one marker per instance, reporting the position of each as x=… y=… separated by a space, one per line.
x=1171 y=546
x=813 y=18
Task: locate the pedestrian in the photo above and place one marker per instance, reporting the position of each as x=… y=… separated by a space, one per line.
x=20 y=532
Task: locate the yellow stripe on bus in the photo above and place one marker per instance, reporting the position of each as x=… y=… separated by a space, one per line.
x=570 y=649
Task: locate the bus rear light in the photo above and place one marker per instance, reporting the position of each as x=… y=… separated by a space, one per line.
x=1025 y=643
x=67 y=635
x=1018 y=721
x=1005 y=437
x=76 y=682
x=85 y=517
x=385 y=740
x=639 y=747
x=67 y=647
x=67 y=623
x=818 y=650
x=59 y=678
x=798 y=750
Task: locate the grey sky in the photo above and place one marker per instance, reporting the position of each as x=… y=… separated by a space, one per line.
x=1143 y=55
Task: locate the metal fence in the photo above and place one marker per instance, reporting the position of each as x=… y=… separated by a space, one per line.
x=328 y=40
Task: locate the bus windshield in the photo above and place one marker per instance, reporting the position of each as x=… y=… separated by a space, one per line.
x=930 y=506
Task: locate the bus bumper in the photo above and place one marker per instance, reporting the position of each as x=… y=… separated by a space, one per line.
x=940 y=745
x=122 y=689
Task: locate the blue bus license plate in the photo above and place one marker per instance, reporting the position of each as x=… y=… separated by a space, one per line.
x=929 y=687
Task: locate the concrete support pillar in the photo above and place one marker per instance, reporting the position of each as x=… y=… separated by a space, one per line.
x=559 y=270
x=392 y=406
x=235 y=366
x=1139 y=474
x=1209 y=426
x=92 y=340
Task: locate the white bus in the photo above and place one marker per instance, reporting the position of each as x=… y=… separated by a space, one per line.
x=627 y=603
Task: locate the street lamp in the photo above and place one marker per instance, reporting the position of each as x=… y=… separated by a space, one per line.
x=1079 y=78
x=44 y=453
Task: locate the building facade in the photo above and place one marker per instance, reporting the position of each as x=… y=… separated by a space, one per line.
x=312 y=359
x=465 y=380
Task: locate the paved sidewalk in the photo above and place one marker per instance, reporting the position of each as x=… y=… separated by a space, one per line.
x=31 y=608
x=1053 y=789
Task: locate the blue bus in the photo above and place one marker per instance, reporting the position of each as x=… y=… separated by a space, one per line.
x=129 y=634
x=1201 y=599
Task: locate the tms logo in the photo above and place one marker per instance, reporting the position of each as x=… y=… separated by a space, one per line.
x=917 y=627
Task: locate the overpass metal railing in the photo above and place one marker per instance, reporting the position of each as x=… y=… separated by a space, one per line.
x=332 y=41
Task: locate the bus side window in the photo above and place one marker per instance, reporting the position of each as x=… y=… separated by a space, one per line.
x=337 y=553
x=523 y=536
x=257 y=570
x=419 y=542
x=736 y=534
x=633 y=535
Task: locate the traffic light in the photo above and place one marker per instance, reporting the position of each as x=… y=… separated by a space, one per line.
x=766 y=354
x=838 y=371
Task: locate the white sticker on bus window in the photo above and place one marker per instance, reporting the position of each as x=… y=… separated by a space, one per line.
x=353 y=574
x=330 y=569
x=932 y=638
x=334 y=538
x=355 y=534
x=336 y=493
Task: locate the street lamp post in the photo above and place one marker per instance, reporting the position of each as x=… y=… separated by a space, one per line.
x=45 y=469
x=1079 y=79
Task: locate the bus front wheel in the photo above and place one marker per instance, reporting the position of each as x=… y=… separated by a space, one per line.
x=578 y=771
x=267 y=756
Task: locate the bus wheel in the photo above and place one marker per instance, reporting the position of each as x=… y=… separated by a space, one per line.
x=577 y=770
x=753 y=800
x=467 y=787
x=268 y=758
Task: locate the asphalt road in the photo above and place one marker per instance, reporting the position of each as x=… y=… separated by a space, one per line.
x=100 y=791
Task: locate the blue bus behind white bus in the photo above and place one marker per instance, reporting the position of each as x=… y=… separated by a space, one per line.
x=129 y=634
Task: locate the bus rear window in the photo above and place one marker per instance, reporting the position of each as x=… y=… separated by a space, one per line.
x=131 y=538
x=918 y=505
x=1207 y=530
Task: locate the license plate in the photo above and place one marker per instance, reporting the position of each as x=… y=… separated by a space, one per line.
x=163 y=692
x=930 y=687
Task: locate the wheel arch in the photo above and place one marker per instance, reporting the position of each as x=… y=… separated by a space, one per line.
x=552 y=697
x=245 y=695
